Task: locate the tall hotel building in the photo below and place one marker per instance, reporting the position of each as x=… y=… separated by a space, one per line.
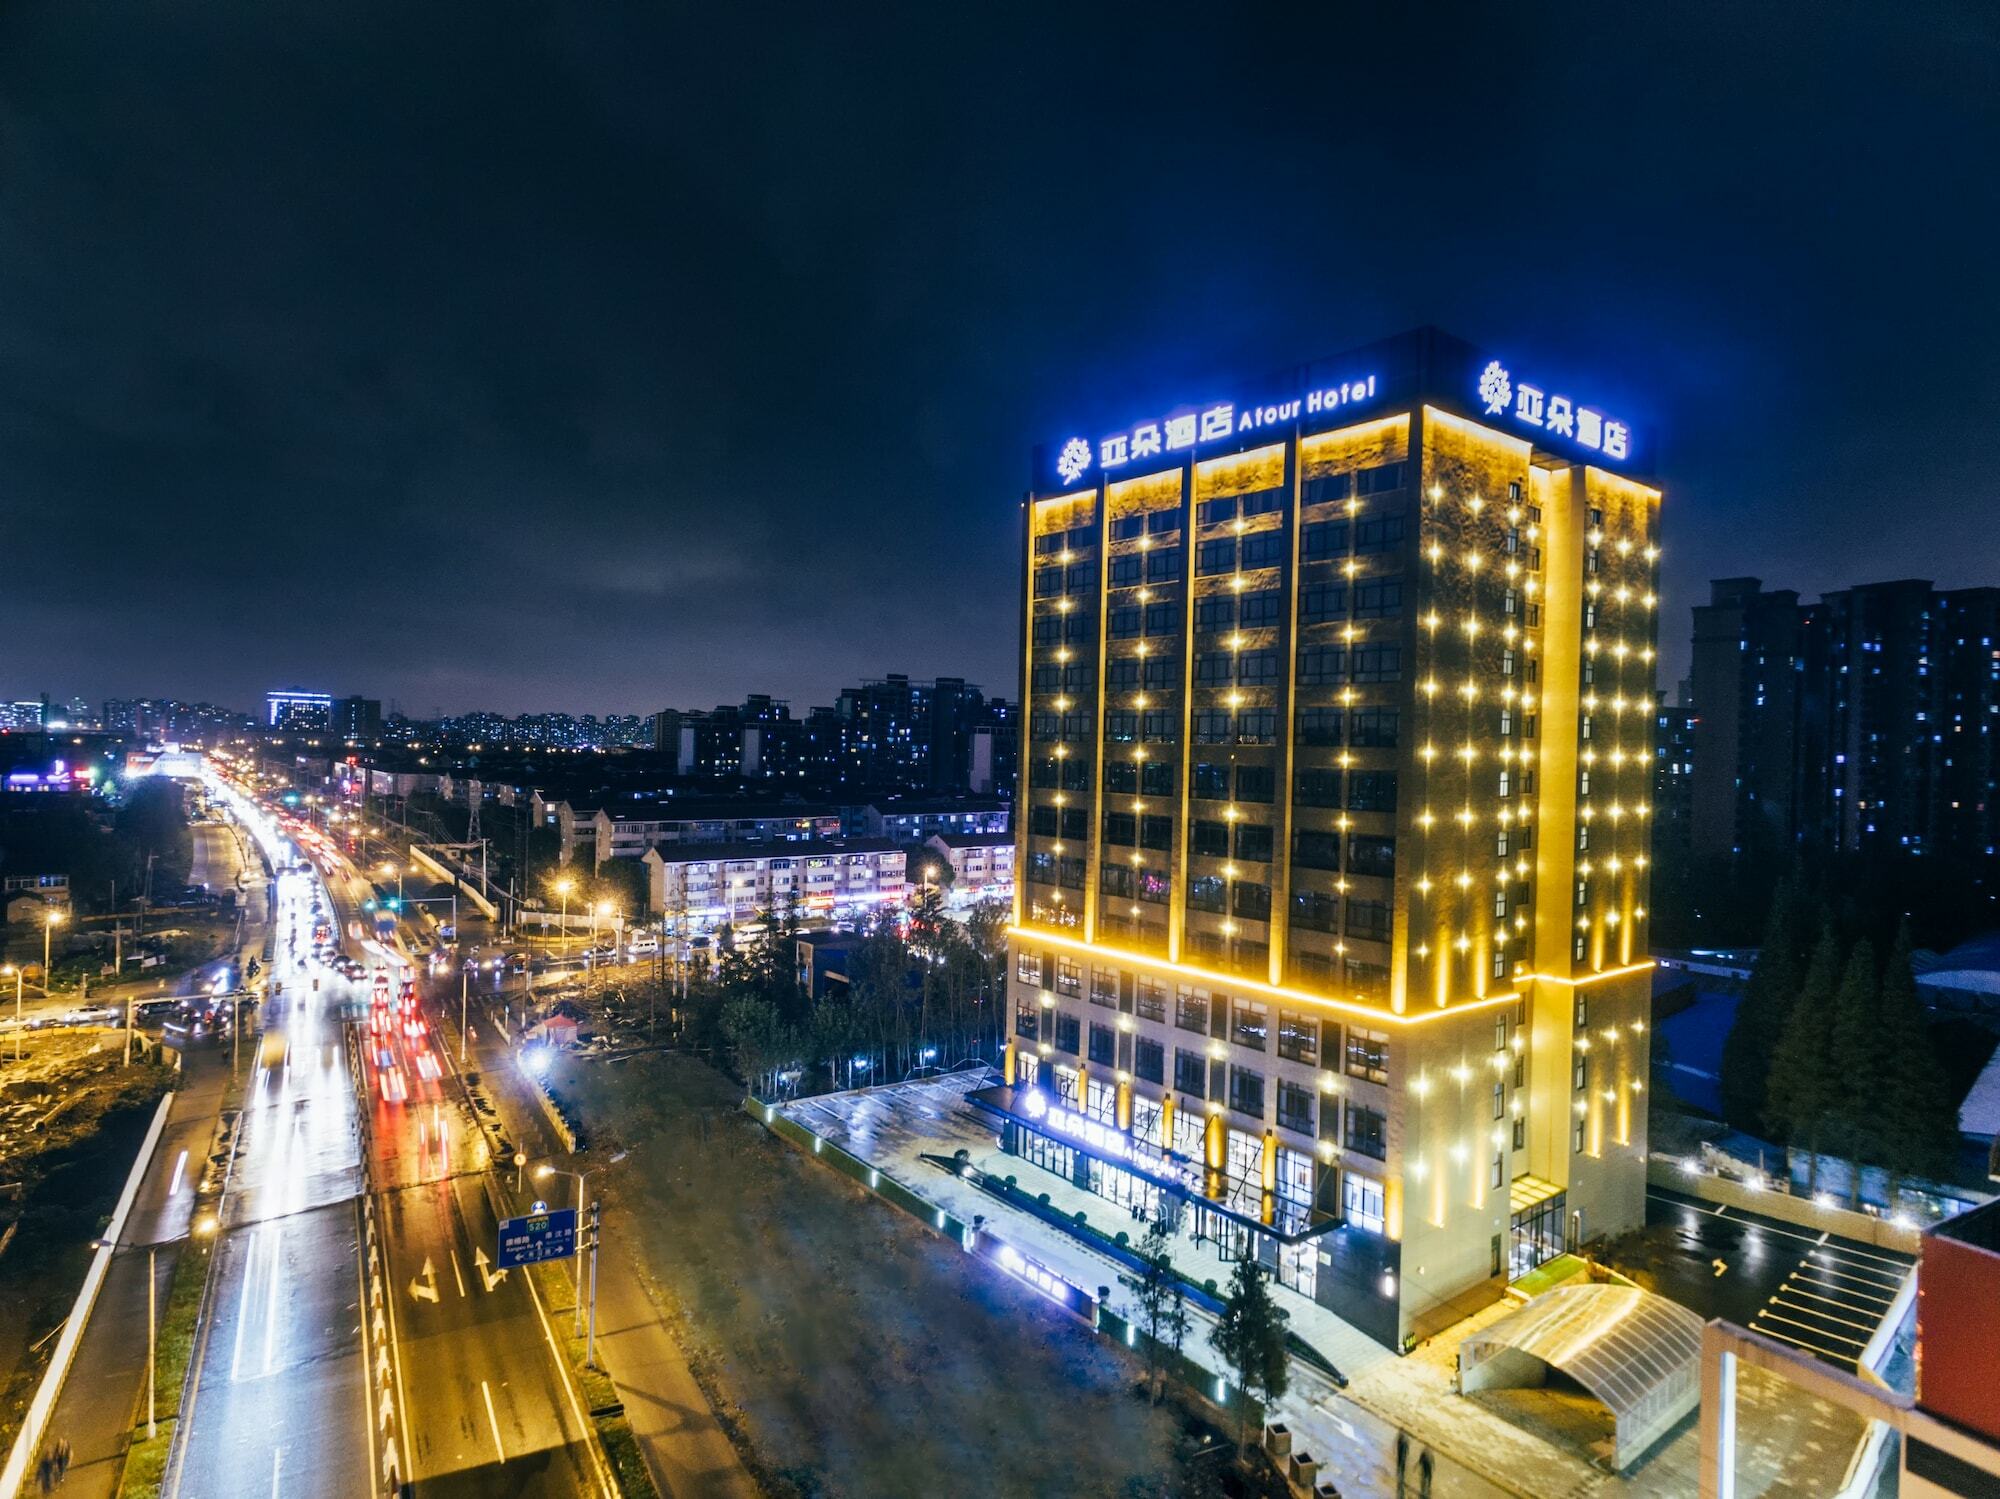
x=1330 y=923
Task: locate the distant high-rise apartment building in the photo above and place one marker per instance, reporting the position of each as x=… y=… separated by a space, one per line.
x=1333 y=832
x=298 y=711
x=1675 y=725
x=1864 y=721
x=357 y=718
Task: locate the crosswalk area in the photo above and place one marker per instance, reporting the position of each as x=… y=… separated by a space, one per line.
x=1833 y=1300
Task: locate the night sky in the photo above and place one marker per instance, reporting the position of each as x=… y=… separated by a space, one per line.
x=610 y=357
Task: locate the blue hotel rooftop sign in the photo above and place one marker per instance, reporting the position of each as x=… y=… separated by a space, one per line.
x=1427 y=365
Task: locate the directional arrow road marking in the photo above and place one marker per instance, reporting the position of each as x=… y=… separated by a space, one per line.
x=425 y=1286
x=491 y=1278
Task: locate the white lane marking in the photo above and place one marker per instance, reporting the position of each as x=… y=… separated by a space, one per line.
x=180 y=1166
x=456 y=1273
x=487 y=1390
x=276 y=1453
x=243 y=1302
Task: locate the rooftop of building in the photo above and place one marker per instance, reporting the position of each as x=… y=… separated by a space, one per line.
x=903 y=806
x=708 y=853
x=1979 y=1228
x=973 y=840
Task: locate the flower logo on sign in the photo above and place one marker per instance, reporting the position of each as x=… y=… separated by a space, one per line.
x=1073 y=460
x=1494 y=387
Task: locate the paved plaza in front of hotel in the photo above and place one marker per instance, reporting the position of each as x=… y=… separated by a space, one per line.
x=1511 y=1442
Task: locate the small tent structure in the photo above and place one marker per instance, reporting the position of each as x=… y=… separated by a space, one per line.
x=1638 y=1353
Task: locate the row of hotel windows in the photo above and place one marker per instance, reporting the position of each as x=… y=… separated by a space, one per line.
x=1367 y=853
x=1315 y=726
x=1318 y=728
x=1326 y=487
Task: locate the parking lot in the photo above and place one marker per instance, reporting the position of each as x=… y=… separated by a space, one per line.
x=1823 y=1294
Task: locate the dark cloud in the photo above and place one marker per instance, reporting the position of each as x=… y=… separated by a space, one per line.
x=613 y=356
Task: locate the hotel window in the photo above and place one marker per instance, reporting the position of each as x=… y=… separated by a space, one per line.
x=1315 y=910
x=1250 y=900
x=1507 y=662
x=1152 y=887
x=1253 y=841
x=1211 y=726
x=1125 y=571
x=1582 y=837
x=1500 y=1033
x=1246 y=1092
x=1156 y=832
x=1367 y=1131
x=1374 y=728
x=1582 y=1010
x=1381 y=533
x=1211 y=781
x=1191 y=1072
x=1160 y=522
x=1378 y=598
x=1028 y=967
x=1520 y=1134
x=1499 y=1174
x=1378 y=663
x=1255 y=783
x=1322 y=665
x=1380 y=479
x=1104 y=987
x=1371 y=791
x=1576 y=1135
x=1499 y=1100
x=1149 y=1061
x=1128 y=527
x=1163 y=565
x=1216 y=613
x=1579 y=1071
x=1115 y=879
x=1161 y=672
x=1069 y=871
x=1216 y=512
x=1506 y=786
x=1583 y=892
x=1048 y=629
x=1211 y=838
x=1312 y=849
x=1583 y=782
x=1257 y=668
x=1163 y=618
x=1124 y=622
x=1043 y=821
x=1191 y=1011
x=1368 y=854
x=1083 y=577
x=1506 y=723
x=1049 y=544
x=1217 y=556
x=1368 y=919
x=1158 y=726
x=1157 y=778
x=1121 y=775
x=1589 y=670
x=1042 y=868
x=1295 y=1107
x=1027 y=1021
x=1368 y=1054
x=1323 y=540
x=1500 y=901
x=1513 y=549
x=1319 y=602
x=1257 y=726
x=1264 y=549
x=1250 y=1024
x=1103 y=1045
x=1121 y=725
x=1361 y=1201
x=1208 y=892
x=1319 y=727
x=1121 y=828
x=1048 y=582
x=1263 y=502
x=1069 y=977
x=1500 y=843
x=1327 y=487
x=1121 y=675
x=1261 y=610
x=1152 y=1001
x=1577 y=947
x=1316 y=788
x=1069 y=1033
x=1298 y=1037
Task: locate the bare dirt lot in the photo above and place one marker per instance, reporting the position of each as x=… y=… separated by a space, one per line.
x=857 y=1354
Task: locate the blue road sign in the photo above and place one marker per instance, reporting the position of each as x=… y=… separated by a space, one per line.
x=538 y=1236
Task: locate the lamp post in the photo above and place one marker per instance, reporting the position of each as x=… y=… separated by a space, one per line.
x=200 y=1229
x=563 y=888
x=542 y=1173
x=5 y=969
x=50 y=922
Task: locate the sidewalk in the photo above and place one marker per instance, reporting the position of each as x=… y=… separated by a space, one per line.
x=688 y=1453
x=105 y=1392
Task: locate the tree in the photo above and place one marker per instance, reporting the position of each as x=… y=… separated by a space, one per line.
x=1163 y=1310
x=1854 y=1058
x=1803 y=1087
x=1250 y=1336
x=1916 y=1125
x=1767 y=1001
x=763 y=1044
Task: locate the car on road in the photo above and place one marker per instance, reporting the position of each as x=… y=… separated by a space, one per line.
x=91 y=1015
x=642 y=947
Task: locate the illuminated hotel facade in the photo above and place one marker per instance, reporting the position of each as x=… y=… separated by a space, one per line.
x=1331 y=881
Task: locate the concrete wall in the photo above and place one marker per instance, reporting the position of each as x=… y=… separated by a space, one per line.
x=1861 y=1227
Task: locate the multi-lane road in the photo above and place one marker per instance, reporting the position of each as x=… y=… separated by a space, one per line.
x=356 y=1335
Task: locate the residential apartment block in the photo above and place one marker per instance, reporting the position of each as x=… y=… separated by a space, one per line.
x=1333 y=825
x=716 y=882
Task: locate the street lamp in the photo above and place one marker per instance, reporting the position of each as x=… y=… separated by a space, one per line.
x=199 y=1230
x=542 y=1173
x=50 y=922
x=563 y=888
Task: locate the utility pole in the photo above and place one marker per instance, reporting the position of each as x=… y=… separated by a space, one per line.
x=464 y=989
x=590 y=1343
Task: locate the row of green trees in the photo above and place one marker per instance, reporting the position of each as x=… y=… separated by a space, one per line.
x=105 y=856
x=926 y=991
x=1831 y=1049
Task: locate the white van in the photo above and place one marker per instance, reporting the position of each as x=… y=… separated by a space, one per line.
x=642 y=946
